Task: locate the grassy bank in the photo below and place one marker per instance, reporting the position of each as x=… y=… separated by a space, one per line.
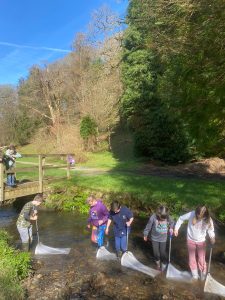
x=144 y=193
x=14 y=266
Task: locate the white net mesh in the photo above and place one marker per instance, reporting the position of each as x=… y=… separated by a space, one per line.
x=128 y=260
x=45 y=250
x=213 y=286
x=104 y=254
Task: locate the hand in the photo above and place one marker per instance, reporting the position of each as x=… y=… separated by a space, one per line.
x=175 y=232
x=171 y=232
x=145 y=238
x=100 y=222
x=212 y=241
x=107 y=231
x=128 y=224
x=33 y=218
x=88 y=226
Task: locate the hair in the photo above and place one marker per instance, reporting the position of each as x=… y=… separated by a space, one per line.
x=201 y=212
x=115 y=205
x=39 y=197
x=162 y=212
x=91 y=198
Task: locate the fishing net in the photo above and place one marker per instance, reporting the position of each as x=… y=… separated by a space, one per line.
x=213 y=286
x=175 y=274
x=46 y=250
x=128 y=260
x=104 y=254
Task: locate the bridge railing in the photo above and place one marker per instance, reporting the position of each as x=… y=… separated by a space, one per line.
x=37 y=170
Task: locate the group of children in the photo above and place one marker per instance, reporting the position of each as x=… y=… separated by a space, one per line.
x=158 y=228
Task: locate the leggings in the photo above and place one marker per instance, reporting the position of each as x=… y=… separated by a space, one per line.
x=196 y=252
x=159 y=251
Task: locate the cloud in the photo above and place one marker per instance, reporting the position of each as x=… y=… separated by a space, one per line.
x=34 y=47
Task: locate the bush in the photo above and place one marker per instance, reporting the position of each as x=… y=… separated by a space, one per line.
x=14 y=266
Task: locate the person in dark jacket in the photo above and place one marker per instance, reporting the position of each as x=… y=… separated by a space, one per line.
x=122 y=218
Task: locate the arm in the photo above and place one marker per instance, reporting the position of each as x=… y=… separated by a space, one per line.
x=107 y=227
x=148 y=227
x=105 y=214
x=180 y=221
x=171 y=225
x=211 y=232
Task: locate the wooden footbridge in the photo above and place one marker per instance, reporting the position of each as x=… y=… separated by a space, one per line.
x=39 y=168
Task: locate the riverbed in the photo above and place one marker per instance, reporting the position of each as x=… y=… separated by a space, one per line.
x=80 y=276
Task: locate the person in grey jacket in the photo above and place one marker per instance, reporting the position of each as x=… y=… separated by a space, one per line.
x=158 y=227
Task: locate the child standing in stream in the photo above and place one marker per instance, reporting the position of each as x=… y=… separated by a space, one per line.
x=158 y=226
x=199 y=224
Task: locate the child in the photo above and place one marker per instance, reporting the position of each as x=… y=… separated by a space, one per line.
x=158 y=226
x=199 y=223
x=26 y=216
x=98 y=217
x=122 y=218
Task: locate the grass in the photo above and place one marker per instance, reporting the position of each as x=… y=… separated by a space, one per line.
x=149 y=191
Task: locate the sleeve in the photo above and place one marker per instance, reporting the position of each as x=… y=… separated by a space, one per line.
x=105 y=213
x=181 y=220
x=89 y=217
x=27 y=212
x=129 y=214
x=211 y=231
x=148 y=227
x=171 y=223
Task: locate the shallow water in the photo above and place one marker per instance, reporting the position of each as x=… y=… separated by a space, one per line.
x=108 y=280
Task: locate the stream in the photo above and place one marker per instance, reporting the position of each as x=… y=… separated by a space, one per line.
x=80 y=276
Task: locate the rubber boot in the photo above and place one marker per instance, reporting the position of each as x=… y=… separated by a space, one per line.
x=194 y=274
x=163 y=267
x=25 y=247
x=118 y=255
x=203 y=276
x=158 y=265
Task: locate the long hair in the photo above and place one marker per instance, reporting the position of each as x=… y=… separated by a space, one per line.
x=162 y=213
x=201 y=213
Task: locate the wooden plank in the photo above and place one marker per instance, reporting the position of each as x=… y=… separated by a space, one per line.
x=54 y=167
x=1 y=183
x=40 y=174
x=25 y=189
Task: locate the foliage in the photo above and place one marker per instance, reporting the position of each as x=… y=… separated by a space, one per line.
x=14 y=266
x=88 y=127
x=187 y=40
x=71 y=199
x=158 y=133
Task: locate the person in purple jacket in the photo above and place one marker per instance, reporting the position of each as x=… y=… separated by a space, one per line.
x=98 y=217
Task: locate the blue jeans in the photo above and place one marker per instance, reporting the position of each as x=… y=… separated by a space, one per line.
x=10 y=179
x=101 y=234
x=121 y=243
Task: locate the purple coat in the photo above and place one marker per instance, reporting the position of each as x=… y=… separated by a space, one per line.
x=98 y=212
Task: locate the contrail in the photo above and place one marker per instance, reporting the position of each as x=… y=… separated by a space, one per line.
x=33 y=47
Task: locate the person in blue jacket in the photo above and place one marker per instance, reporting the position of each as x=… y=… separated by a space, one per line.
x=122 y=217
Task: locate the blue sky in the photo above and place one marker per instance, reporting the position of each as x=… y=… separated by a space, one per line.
x=41 y=31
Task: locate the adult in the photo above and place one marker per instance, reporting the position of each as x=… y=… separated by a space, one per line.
x=11 y=154
x=98 y=217
x=28 y=214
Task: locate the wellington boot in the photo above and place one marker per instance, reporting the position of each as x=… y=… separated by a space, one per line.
x=25 y=247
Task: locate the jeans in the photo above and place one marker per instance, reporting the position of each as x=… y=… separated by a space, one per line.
x=101 y=234
x=121 y=243
x=11 y=179
x=159 y=251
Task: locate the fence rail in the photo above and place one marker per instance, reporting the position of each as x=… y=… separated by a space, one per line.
x=33 y=186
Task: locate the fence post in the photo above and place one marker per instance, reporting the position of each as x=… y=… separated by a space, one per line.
x=1 y=183
x=68 y=168
x=40 y=174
